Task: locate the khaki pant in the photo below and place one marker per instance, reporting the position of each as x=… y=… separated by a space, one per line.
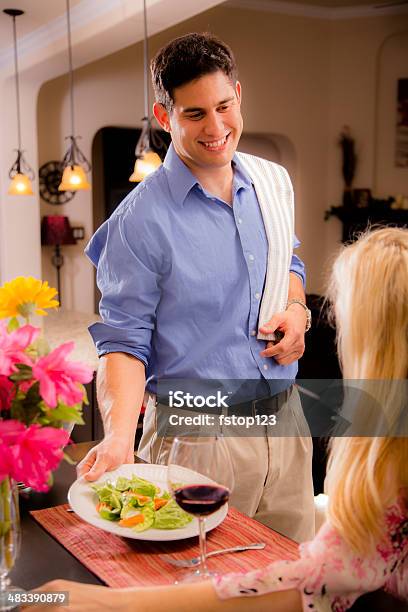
x=273 y=473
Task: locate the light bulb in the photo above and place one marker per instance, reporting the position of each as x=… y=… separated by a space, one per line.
x=145 y=165
x=73 y=179
x=20 y=185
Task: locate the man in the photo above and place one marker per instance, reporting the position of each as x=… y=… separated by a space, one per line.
x=181 y=267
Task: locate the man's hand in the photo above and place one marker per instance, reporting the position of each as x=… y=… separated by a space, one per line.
x=120 y=390
x=292 y=323
x=108 y=455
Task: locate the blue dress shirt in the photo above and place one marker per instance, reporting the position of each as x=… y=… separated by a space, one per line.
x=181 y=275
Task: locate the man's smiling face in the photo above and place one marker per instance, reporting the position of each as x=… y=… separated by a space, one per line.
x=205 y=122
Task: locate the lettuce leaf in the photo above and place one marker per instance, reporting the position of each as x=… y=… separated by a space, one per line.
x=171 y=516
x=148 y=513
x=143 y=487
x=120 y=500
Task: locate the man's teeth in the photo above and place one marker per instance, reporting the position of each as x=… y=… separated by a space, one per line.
x=215 y=143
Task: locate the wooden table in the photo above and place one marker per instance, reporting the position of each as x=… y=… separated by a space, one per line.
x=42 y=559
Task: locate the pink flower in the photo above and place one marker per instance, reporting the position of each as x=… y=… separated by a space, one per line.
x=6 y=392
x=13 y=345
x=36 y=453
x=58 y=377
x=6 y=461
x=9 y=433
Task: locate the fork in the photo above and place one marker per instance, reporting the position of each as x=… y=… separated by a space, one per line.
x=196 y=560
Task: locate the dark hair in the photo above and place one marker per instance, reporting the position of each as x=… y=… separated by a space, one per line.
x=187 y=58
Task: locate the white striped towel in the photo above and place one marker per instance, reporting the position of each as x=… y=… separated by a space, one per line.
x=275 y=196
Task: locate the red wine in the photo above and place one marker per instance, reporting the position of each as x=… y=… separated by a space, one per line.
x=201 y=499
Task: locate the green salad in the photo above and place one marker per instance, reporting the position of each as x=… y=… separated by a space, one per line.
x=139 y=504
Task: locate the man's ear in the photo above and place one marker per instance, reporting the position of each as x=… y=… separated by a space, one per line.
x=162 y=116
x=238 y=91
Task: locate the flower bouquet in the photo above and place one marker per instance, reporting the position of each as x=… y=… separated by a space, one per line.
x=41 y=391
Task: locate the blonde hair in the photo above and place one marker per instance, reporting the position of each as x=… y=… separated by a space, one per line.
x=369 y=293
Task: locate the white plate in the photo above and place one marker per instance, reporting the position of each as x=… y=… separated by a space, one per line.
x=83 y=501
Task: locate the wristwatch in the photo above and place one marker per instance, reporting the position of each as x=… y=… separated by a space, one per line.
x=306 y=309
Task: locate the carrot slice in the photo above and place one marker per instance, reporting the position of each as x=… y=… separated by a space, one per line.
x=102 y=506
x=159 y=503
x=142 y=498
x=132 y=520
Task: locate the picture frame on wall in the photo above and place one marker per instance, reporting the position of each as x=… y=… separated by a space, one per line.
x=401 y=140
x=361 y=197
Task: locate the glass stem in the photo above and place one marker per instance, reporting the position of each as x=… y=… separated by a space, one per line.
x=203 y=545
x=4 y=582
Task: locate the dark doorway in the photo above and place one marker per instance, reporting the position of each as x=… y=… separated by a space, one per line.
x=113 y=159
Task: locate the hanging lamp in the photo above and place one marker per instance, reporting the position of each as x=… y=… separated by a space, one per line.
x=147 y=160
x=20 y=173
x=75 y=165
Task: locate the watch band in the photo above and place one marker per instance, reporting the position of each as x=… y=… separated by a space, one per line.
x=306 y=309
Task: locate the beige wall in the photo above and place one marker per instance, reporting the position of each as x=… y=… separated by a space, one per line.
x=303 y=79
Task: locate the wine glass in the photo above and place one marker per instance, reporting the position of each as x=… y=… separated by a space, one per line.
x=200 y=478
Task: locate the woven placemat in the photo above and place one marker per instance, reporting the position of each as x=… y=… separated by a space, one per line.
x=121 y=562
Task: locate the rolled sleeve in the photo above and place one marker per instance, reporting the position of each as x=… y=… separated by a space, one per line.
x=124 y=250
x=297 y=266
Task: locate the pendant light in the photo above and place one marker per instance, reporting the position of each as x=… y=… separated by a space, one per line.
x=147 y=161
x=75 y=165
x=20 y=173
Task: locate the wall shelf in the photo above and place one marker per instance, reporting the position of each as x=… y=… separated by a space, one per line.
x=356 y=220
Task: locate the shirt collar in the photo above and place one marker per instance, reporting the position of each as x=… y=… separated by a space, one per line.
x=181 y=180
x=241 y=176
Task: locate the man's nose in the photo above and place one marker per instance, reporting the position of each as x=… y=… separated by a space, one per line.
x=214 y=125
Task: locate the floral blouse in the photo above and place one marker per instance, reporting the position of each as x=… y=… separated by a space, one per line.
x=330 y=576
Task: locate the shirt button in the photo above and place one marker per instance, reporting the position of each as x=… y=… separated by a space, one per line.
x=265 y=366
x=251 y=258
x=258 y=296
x=239 y=220
x=253 y=332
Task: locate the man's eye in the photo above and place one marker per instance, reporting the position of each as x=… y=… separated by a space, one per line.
x=195 y=116
x=223 y=108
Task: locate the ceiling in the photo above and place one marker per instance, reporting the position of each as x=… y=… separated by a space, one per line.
x=335 y=4
x=37 y=13
x=40 y=13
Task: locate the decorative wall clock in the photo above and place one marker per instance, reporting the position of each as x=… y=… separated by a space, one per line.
x=49 y=178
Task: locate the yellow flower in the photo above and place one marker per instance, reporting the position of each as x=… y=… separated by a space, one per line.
x=25 y=296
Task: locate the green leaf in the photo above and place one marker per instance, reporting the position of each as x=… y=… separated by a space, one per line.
x=27 y=407
x=13 y=324
x=62 y=412
x=25 y=372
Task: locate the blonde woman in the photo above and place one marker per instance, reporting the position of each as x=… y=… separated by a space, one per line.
x=364 y=542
